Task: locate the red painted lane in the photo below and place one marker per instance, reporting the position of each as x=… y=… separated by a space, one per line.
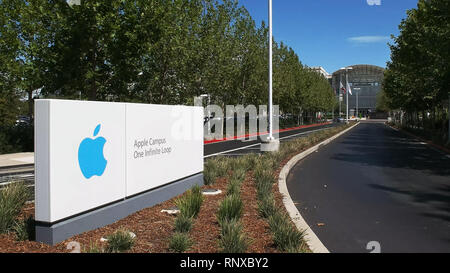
x=265 y=133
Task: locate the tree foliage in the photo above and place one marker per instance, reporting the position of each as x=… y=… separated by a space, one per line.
x=418 y=77
x=151 y=51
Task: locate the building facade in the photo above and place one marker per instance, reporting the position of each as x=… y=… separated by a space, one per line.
x=365 y=82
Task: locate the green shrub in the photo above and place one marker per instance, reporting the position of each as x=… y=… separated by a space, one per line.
x=232 y=238
x=234 y=187
x=285 y=235
x=180 y=242
x=264 y=188
x=210 y=173
x=93 y=248
x=231 y=208
x=239 y=174
x=264 y=177
x=222 y=165
x=246 y=162
x=12 y=200
x=191 y=202
x=120 y=241
x=183 y=224
x=25 y=229
x=267 y=206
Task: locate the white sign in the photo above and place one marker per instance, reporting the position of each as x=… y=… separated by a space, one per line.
x=171 y=152
x=90 y=154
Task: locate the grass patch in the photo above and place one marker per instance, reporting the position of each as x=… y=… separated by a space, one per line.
x=180 y=242
x=234 y=187
x=120 y=241
x=12 y=200
x=210 y=172
x=191 y=202
x=286 y=237
x=232 y=238
x=231 y=208
x=267 y=206
x=183 y=224
x=239 y=174
x=25 y=229
x=93 y=248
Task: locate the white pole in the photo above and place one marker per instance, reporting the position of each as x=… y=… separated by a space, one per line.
x=270 y=74
x=357 y=104
x=340 y=102
x=346 y=89
x=448 y=117
x=209 y=114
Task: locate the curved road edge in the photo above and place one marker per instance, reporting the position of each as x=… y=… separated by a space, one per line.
x=311 y=238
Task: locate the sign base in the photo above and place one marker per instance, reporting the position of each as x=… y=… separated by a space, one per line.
x=53 y=233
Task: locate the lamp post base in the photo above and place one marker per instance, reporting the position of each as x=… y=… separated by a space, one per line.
x=270 y=145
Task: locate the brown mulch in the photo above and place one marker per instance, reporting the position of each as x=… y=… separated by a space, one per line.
x=154 y=229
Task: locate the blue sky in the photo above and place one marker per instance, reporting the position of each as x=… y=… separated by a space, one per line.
x=334 y=33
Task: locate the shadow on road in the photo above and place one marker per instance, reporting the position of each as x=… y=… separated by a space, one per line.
x=437 y=198
x=393 y=150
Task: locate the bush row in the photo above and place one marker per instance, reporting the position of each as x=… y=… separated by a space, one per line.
x=232 y=237
x=189 y=206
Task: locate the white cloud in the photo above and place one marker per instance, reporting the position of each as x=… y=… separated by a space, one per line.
x=369 y=39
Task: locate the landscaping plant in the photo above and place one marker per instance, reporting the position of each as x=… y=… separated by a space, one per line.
x=12 y=199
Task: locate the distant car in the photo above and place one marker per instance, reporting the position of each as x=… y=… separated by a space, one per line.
x=23 y=120
x=339 y=120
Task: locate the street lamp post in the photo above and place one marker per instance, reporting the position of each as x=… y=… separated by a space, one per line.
x=448 y=118
x=340 y=97
x=347 y=88
x=357 y=104
x=270 y=74
x=357 y=100
x=270 y=144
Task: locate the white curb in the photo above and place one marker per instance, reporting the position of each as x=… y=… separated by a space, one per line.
x=311 y=238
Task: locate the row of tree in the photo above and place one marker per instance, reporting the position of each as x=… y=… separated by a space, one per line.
x=417 y=80
x=150 y=51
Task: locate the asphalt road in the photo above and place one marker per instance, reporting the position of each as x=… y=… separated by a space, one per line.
x=242 y=146
x=375 y=184
x=228 y=148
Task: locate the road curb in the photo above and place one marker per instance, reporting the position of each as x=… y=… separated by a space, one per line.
x=311 y=238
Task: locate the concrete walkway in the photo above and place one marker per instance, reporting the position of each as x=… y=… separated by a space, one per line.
x=16 y=160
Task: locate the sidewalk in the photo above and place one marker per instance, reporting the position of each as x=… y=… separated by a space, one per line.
x=16 y=160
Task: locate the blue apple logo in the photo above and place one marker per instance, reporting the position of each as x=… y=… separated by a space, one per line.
x=90 y=155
